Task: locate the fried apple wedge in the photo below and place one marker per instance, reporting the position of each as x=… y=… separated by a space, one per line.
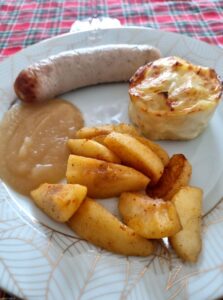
x=59 y=201
x=187 y=243
x=135 y=154
x=93 y=149
x=152 y=219
x=95 y=224
x=104 y=179
x=100 y=138
x=176 y=174
x=90 y=132
x=156 y=148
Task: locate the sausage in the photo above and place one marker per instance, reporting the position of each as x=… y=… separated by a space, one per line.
x=74 y=69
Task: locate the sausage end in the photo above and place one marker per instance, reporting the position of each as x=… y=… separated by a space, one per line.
x=25 y=86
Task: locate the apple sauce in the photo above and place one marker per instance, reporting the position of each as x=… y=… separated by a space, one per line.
x=33 y=143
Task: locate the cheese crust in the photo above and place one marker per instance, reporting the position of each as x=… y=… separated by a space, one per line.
x=172 y=98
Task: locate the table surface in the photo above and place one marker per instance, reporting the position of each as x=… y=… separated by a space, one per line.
x=26 y=22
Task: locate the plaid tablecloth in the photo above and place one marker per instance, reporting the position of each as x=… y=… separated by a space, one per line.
x=25 y=22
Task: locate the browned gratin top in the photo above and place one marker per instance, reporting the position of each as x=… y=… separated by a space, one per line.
x=172 y=84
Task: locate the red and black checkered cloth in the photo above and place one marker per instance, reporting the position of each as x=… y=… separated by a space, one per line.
x=25 y=22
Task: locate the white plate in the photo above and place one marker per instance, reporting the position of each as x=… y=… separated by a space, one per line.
x=41 y=259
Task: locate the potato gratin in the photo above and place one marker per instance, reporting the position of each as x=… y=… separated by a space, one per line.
x=173 y=99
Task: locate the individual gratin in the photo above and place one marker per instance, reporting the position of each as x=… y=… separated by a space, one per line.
x=173 y=99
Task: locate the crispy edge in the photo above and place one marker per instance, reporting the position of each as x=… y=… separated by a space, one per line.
x=176 y=174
